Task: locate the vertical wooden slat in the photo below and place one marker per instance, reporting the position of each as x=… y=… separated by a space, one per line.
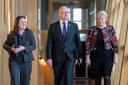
x=1 y=32
x=6 y=75
x=108 y=8
x=114 y=21
x=50 y=11
x=119 y=19
x=107 y=5
x=12 y=14
x=112 y=11
x=115 y=15
x=117 y=24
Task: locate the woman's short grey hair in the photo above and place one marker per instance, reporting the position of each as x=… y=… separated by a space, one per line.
x=102 y=13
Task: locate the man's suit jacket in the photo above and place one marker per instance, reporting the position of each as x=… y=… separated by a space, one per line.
x=57 y=46
x=28 y=41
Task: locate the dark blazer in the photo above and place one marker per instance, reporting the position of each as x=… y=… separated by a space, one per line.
x=57 y=46
x=28 y=41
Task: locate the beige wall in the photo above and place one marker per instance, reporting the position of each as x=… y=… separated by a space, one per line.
x=0 y=41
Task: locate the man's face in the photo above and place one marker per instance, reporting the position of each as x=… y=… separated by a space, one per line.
x=64 y=13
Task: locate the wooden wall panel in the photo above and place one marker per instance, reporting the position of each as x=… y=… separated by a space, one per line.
x=124 y=74
x=1 y=23
x=121 y=46
x=113 y=15
x=5 y=56
x=46 y=76
x=118 y=12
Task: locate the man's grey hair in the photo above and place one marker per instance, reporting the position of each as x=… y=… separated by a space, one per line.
x=63 y=7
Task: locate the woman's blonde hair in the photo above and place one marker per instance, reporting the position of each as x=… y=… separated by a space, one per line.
x=103 y=14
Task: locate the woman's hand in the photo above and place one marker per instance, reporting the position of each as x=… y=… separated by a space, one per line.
x=19 y=49
x=115 y=60
x=14 y=50
x=88 y=61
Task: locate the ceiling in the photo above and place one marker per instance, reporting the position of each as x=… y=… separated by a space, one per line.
x=81 y=3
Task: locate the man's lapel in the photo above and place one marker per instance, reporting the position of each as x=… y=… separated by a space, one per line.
x=58 y=30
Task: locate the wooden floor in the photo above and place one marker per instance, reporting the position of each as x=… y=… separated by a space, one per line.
x=78 y=81
x=47 y=78
x=83 y=81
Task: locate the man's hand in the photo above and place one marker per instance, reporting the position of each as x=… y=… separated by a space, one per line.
x=79 y=61
x=49 y=61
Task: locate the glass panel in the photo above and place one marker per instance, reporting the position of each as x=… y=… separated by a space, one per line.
x=79 y=25
x=77 y=14
x=80 y=12
x=83 y=37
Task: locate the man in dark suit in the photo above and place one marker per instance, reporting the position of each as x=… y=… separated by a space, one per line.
x=63 y=47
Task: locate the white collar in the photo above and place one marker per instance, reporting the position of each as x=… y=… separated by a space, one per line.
x=61 y=21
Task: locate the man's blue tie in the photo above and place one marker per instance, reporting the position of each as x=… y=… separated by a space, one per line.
x=64 y=30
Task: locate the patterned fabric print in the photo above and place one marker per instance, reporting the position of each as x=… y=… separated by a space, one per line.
x=109 y=36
